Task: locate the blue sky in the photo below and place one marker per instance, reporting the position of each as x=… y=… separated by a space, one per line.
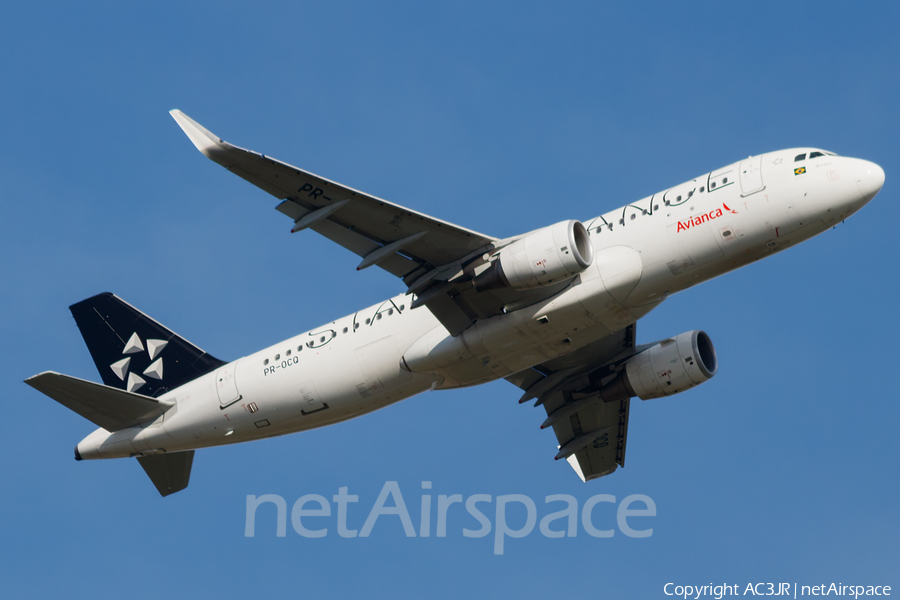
x=501 y=117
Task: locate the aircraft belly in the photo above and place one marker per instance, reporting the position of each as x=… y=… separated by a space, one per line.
x=380 y=364
x=327 y=388
x=620 y=269
x=509 y=343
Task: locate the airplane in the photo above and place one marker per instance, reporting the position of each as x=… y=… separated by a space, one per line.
x=553 y=311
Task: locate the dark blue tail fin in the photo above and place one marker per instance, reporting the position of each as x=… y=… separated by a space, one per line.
x=135 y=353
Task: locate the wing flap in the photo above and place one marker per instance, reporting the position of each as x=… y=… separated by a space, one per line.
x=360 y=245
x=604 y=452
x=108 y=407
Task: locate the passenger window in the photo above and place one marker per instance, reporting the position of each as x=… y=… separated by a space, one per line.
x=390 y=311
x=288 y=353
x=345 y=330
x=368 y=321
x=277 y=357
x=815 y=154
x=402 y=306
x=678 y=199
x=378 y=316
x=633 y=216
x=712 y=185
x=265 y=362
x=724 y=180
x=800 y=157
x=702 y=189
x=656 y=207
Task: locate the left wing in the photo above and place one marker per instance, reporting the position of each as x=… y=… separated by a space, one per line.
x=591 y=427
x=435 y=259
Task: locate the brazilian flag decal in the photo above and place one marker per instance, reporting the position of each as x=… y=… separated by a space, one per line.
x=799 y=170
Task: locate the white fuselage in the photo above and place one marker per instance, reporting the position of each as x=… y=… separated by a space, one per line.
x=643 y=253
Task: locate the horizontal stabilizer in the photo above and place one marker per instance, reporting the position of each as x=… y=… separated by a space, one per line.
x=170 y=473
x=109 y=407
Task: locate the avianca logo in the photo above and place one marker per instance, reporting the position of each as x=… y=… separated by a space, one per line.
x=713 y=214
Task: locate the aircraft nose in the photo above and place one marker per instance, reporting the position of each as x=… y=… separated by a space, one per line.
x=870 y=179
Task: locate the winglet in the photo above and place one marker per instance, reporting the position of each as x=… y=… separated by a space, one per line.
x=205 y=141
x=573 y=462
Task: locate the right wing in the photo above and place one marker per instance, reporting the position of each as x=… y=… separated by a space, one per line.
x=362 y=225
x=435 y=259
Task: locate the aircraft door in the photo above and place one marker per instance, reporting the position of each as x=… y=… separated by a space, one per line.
x=751 y=176
x=226 y=386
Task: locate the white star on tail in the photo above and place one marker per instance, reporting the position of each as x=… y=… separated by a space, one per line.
x=154 y=347
x=120 y=368
x=135 y=382
x=155 y=370
x=133 y=346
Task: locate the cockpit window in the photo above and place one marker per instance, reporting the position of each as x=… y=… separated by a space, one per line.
x=815 y=154
x=800 y=157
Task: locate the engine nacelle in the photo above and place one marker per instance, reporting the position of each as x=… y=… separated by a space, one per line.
x=540 y=258
x=672 y=366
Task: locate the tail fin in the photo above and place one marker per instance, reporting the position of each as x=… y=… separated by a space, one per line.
x=133 y=352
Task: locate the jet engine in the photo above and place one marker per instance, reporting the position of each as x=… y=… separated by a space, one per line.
x=540 y=258
x=668 y=367
x=671 y=366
